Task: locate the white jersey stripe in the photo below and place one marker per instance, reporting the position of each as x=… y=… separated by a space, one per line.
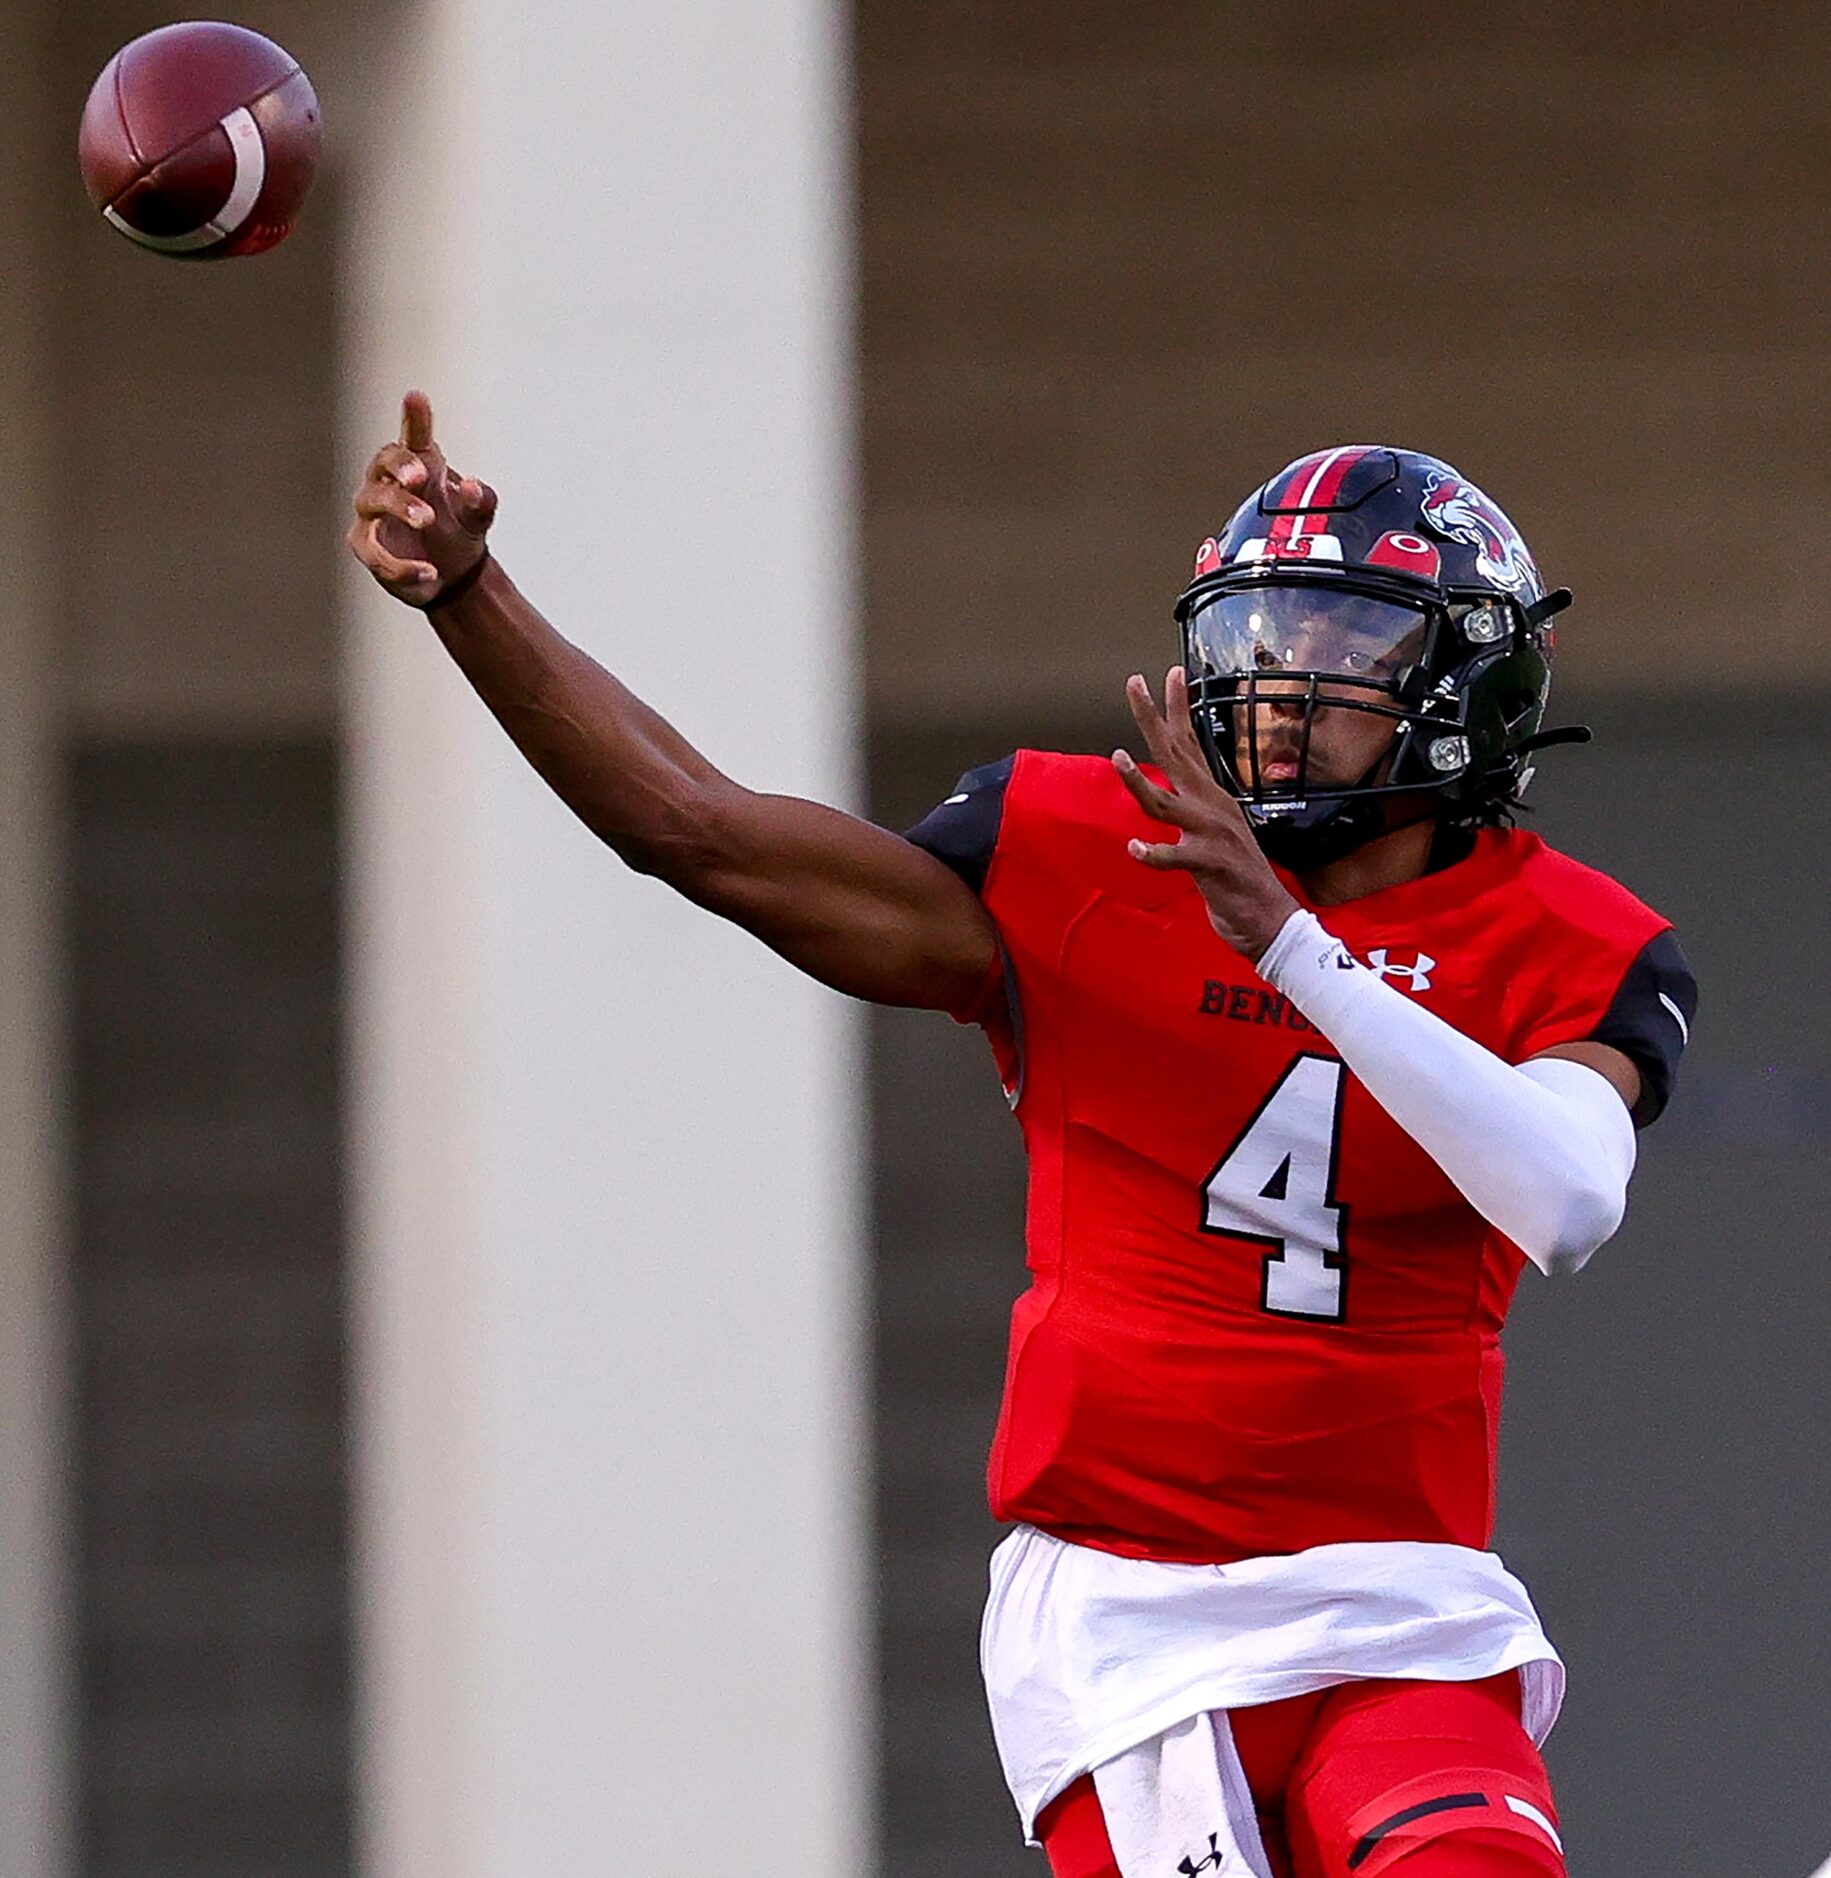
x=1678 y=1017
x=1527 y=1810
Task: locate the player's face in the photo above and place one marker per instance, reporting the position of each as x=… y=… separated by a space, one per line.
x=1348 y=649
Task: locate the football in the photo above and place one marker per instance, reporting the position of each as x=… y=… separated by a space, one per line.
x=200 y=140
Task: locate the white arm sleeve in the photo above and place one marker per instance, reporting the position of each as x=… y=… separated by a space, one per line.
x=1542 y=1151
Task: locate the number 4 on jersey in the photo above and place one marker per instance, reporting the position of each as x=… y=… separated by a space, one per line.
x=1276 y=1187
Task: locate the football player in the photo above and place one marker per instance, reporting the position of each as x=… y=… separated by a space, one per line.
x=1313 y=1052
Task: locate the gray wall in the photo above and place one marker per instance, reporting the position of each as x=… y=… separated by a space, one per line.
x=1665 y=1487
x=206 y=1311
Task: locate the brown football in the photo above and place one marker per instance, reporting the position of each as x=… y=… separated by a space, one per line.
x=200 y=140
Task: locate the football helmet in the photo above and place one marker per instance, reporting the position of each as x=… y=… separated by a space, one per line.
x=1380 y=581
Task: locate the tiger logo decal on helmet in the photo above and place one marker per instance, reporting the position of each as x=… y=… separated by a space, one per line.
x=1455 y=510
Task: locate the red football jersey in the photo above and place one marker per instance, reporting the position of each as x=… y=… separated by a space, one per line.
x=1260 y=1317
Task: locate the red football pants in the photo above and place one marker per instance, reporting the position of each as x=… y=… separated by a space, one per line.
x=1411 y=1778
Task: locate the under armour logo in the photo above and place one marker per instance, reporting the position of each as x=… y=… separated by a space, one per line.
x=1215 y=1861
x=1417 y=976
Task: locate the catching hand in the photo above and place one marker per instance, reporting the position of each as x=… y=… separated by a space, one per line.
x=419 y=526
x=1247 y=903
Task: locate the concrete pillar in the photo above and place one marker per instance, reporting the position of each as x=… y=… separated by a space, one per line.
x=609 y=1403
x=34 y=1773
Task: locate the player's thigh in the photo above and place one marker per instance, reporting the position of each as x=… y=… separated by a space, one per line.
x=1422 y=1780
x=1073 y=1833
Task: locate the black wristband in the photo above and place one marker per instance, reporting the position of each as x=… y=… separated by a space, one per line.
x=457 y=589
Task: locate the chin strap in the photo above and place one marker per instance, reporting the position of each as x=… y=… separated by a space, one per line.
x=1348 y=825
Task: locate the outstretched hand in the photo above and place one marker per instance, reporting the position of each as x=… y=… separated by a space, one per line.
x=419 y=525
x=1247 y=903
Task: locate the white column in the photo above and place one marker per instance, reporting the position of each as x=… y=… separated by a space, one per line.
x=612 y=1566
x=34 y=1708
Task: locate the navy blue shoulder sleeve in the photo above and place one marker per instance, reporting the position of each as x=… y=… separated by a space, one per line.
x=1649 y=1021
x=963 y=830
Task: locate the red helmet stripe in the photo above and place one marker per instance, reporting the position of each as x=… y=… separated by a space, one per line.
x=1299 y=473
x=1284 y=499
x=1316 y=489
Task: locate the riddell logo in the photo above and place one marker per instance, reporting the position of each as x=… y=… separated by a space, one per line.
x=1416 y=975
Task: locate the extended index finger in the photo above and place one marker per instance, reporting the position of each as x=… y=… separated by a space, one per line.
x=1179 y=725
x=416 y=421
